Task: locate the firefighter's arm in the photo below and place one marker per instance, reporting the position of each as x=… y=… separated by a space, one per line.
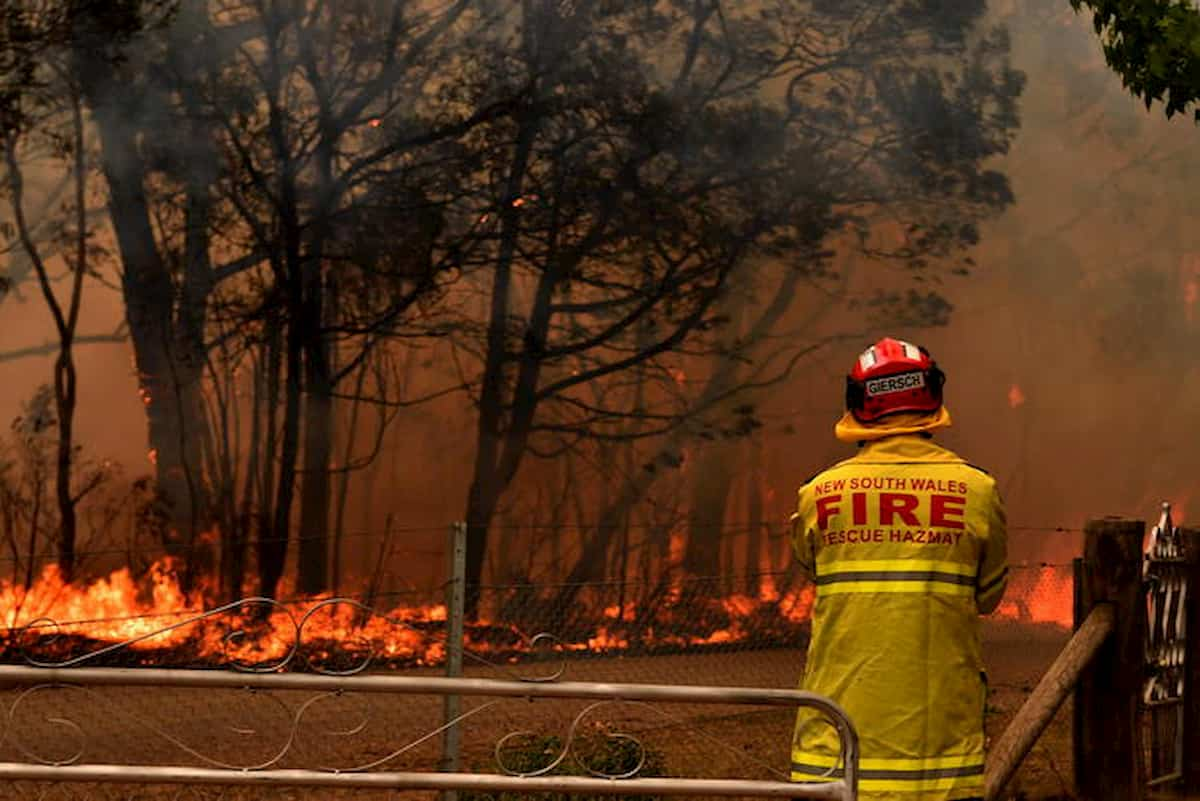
x=993 y=562
x=801 y=542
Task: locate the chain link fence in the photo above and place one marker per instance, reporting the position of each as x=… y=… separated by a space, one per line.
x=1021 y=639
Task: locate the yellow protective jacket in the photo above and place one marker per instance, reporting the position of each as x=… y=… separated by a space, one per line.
x=907 y=545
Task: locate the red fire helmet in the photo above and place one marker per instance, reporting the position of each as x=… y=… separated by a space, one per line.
x=893 y=376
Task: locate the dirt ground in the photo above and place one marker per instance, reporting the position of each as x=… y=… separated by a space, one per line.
x=244 y=730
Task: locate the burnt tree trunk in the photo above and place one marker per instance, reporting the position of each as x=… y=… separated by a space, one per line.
x=313 y=547
x=273 y=544
x=713 y=474
x=712 y=480
x=637 y=483
x=236 y=542
x=195 y=290
x=482 y=500
x=297 y=278
x=318 y=320
x=265 y=527
x=64 y=392
x=65 y=320
x=754 y=516
x=342 y=494
x=169 y=387
x=488 y=481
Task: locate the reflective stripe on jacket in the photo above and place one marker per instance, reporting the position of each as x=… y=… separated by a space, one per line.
x=907 y=545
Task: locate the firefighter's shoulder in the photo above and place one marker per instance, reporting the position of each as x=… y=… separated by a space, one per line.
x=817 y=476
x=983 y=477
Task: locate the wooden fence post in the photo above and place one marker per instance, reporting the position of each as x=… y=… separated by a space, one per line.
x=1107 y=737
x=1191 y=686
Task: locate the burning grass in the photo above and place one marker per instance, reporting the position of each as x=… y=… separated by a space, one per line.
x=118 y=620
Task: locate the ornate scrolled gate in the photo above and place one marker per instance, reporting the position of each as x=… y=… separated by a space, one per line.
x=50 y=695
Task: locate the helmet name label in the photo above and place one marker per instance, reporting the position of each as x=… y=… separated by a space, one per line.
x=888 y=384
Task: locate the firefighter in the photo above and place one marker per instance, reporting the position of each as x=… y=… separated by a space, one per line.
x=907 y=546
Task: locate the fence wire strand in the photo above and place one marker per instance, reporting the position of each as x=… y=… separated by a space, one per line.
x=745 y=628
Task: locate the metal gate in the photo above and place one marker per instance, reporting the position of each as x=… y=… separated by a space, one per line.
x=1165 y=579
x=69 y=753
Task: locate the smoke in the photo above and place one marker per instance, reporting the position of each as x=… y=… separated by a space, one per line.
x=1078 y=304
x=1081 y=301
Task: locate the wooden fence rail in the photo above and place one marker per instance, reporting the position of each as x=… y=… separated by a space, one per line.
x=1035 y=715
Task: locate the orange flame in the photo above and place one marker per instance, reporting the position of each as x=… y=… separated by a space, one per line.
x=1039 y=596
x=676 y=546
x=1189 y=272
x=117 y=608
x=797 y=605
x=1015 y=396
x=1178 y=510
x=120 y=608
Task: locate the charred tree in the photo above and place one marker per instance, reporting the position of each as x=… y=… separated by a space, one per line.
x=31 y=109
x=754 y=514
x=321 y=133
x=314 y=540
x=265 y=544
x=713 y=471
x=615 y=168
x=65 y=320
x=167 y=278
x=497 y=450
x=273 y=543
x=712 y=481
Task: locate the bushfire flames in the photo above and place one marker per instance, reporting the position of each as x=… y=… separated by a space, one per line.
x=1039 y=595
x=53 y=622
x=1015 y=396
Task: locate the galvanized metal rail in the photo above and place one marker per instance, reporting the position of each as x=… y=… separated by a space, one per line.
x=843 y=789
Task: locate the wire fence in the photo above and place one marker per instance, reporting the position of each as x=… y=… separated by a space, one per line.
x=748 y=629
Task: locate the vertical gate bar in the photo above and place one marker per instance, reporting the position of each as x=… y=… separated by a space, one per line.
x=455 y=603
x=1177 y=633
x=1165 y=575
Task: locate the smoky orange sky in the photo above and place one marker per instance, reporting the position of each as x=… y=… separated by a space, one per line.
x=1070 y=351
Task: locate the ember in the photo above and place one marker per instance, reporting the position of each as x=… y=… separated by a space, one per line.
x=1015 y=396
x=1189 y=270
